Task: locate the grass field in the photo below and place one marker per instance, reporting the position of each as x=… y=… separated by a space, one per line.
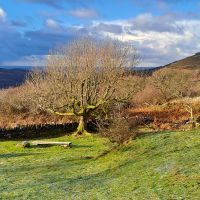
x=155 y=166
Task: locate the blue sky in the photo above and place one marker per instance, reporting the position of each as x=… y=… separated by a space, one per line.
x=161 y=30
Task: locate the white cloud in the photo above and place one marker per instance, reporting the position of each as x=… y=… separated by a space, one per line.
x=50 y=23
x=160 y=40
x=2 y=14
x=84 y=13
x=31 y=61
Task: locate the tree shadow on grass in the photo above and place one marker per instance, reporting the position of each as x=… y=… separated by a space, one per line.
x=81 y=158
x=149 y=134
x=102 y=176
x=81 y=146
x=13 y=155
x=104 y=153
x=40 y=146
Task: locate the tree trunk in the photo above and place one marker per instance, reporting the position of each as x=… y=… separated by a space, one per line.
x=81 y=131
x=81 y=126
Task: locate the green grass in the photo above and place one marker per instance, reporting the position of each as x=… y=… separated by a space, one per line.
x=157 y=166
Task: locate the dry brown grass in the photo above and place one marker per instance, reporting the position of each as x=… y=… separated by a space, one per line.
x=15 y=111
x=170 y=116
x=7 y=122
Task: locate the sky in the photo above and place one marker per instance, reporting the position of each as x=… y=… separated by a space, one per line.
x=162 y=31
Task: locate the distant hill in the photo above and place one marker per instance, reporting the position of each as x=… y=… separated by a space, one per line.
x=12 y=77
x=191 y=62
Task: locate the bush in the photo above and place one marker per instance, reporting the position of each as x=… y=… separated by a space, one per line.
x=148 y=96
x=119 y=131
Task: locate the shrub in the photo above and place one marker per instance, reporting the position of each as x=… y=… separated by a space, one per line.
x=148 y=96
x=119 y=131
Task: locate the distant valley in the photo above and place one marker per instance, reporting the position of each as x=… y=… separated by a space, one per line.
x=11 y=76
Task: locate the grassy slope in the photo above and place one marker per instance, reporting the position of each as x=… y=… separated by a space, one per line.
x=160 y=166
x=191 y=62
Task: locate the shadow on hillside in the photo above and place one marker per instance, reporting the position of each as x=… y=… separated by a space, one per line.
x=148 y=134
x=104 y=153
x=13 y=155
x=99 y=177
x=81 y=146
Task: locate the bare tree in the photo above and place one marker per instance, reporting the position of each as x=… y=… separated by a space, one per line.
x=81 y=77
x=172 y=84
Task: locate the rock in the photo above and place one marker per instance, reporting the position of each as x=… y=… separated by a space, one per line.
x=88 y=157
x=26 y=144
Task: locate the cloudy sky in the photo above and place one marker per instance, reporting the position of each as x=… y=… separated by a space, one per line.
x=161 y=30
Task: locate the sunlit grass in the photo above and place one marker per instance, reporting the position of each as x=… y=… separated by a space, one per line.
x=155 y=166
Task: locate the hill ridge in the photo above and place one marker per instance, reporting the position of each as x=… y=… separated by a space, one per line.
x=190 y=62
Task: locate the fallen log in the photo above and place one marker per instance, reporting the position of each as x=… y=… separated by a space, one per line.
x=64 y=144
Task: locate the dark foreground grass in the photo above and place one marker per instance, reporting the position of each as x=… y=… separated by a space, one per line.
x=158 y=166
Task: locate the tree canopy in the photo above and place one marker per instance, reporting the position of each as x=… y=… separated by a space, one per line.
x=82 y=76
